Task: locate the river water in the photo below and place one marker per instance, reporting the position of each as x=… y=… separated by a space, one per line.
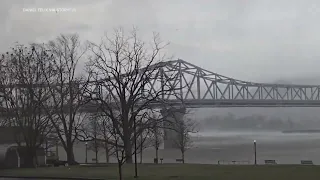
x=210 y=147
x=229 y=146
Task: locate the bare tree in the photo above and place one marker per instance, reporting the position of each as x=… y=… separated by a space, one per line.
x=24 y=95
x=95 y=145
x=157 y=135
x=97 y=131
x=142 y=143
x=145 y=138
x=66 y=86
x=183 y=140
x=105 y=126
x=119 y=151
x=125 y=69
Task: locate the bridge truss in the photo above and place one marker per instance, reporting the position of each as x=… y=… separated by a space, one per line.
x=197 y=87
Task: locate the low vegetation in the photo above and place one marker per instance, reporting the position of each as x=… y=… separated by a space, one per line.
x=179 y=171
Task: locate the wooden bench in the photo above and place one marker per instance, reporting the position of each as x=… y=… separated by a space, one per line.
x=306 y=162
x=179 y=160
x=270 y=162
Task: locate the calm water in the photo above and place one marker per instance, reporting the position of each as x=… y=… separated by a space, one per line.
x=209 y=147
x=285 y=148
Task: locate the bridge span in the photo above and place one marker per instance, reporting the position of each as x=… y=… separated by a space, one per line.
x=220 y=104
x=197 y=88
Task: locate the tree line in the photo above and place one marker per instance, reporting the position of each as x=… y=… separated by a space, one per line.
x=44 y=88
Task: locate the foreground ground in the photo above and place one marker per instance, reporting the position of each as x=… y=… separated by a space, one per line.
x=179 y=171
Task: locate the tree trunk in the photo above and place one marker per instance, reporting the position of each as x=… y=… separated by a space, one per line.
x=29 y=157
x=70 y=155
x=127 y=133
x=96 y=148
x=107 y=152
x=36 y=160
x=182 y=157
x=141 y=148
x=120 y=170
x=29 y=162
x=96 y=155
x=128 y=152
x=141 y=156
x=157 y=153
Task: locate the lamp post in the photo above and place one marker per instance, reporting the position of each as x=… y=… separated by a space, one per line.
x=86 y=152
x=255 y=151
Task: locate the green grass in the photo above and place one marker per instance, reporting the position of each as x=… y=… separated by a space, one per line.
x=180 y=172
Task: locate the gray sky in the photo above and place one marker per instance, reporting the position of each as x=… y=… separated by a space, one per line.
x=260 y=40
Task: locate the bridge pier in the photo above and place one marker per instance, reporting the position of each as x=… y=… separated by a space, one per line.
x=171 y=117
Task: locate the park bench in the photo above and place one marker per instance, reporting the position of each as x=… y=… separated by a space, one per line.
x=270 y=162
x=306 y=162
x=179 y=160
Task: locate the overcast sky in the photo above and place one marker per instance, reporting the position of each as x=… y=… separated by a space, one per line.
x=259 y=40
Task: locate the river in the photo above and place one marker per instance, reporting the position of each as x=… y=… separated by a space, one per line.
x=210 y=147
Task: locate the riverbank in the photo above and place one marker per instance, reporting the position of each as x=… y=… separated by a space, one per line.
x=177 y=171
x=302 y=131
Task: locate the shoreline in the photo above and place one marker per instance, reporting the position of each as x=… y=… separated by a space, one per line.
x=304 y=131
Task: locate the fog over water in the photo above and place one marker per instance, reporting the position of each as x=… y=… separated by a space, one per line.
x=238 y=145
x=243 y=137
x=211 y=146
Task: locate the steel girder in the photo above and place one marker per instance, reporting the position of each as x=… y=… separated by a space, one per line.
x=195 y=83
x=198 y=87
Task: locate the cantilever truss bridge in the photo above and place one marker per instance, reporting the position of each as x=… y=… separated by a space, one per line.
x=197 y=87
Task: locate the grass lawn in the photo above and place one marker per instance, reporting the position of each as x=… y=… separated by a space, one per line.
x=179 y=172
